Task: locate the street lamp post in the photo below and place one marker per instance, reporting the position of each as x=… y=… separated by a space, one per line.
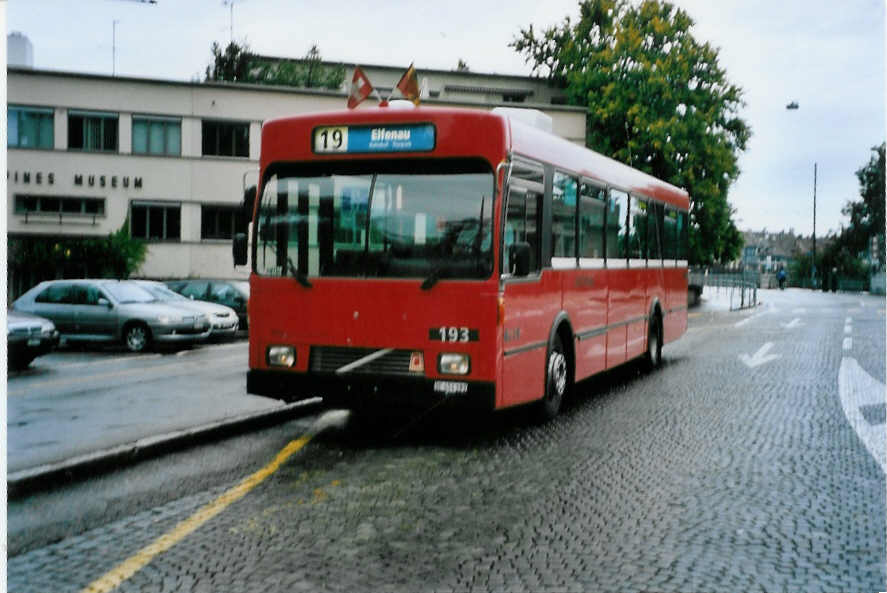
x=813 y=273
x=793 y=106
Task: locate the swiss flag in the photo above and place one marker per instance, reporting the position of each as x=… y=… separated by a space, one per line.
x=360 y=88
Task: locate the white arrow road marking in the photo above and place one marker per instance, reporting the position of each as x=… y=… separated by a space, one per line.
x=760 y=357
x=848 y=343
x=792 y=324
x=859 y=389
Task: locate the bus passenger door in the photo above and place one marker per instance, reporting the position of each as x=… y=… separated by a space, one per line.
x=526 y=298
x=618 y=280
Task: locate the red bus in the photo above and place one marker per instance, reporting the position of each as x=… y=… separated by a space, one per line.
x=413 y=257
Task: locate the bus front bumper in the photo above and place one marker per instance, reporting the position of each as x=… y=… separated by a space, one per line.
x=355 y=391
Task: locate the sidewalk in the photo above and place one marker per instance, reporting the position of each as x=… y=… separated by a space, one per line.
x=62 y=424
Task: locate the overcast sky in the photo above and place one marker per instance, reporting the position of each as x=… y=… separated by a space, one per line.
x=828 y=56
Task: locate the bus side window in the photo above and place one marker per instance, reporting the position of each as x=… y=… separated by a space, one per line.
x=683 y=237
x=592 y=205
x=670 y=235
x=563 y=216
x=654 y=224
x=617 y=225
x=638 y=234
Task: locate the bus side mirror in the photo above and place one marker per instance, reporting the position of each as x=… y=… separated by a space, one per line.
x=519 y=256
x=239 y=249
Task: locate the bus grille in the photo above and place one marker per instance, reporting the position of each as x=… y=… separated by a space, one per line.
x=329 y=359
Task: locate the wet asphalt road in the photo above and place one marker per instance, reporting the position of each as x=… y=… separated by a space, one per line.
x=746 y=463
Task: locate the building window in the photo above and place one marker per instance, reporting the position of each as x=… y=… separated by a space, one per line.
x=220 y=222
x=155 y=221
x=92 y=131
x=514 y=97
x=29 y=127
x=156 y=135
x=29 y=204
x=225 y=138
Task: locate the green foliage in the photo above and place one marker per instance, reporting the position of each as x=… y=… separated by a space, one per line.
x=116 y=256
x=657 y=100
x=238 y=64
x=231 y=64
x=867 y=214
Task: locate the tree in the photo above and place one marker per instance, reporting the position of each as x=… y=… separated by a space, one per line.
x=238 y=64
x=462 y=66
x=657 y=100
x=232 y=64
x=867 y=215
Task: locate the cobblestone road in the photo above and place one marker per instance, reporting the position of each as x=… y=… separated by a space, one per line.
x=709 y=474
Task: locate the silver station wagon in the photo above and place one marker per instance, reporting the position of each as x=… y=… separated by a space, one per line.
x=112 y=311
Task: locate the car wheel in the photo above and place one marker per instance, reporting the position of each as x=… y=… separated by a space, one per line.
x=136 y=337
x=557 y=382
x=19 y=363
x=653 y=357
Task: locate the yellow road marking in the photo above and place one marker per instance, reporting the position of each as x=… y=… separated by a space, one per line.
x=137 y=561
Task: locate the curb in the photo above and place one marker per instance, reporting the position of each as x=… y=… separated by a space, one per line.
x=43 y=477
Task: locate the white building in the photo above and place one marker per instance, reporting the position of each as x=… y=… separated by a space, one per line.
x=19 y=50
x=87 y=153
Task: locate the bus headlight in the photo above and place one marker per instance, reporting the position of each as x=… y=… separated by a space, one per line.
x=281 y=356
x=453 y=364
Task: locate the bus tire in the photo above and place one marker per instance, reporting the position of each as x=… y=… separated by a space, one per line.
x=653 y=356
x=557 y=381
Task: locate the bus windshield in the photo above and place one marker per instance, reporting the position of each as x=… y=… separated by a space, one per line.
x=381 y=219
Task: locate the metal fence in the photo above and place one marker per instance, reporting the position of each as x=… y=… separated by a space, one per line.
x=740 y=287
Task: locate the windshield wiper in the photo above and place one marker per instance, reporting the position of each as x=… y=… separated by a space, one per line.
x=432 y=278
x=300 y=276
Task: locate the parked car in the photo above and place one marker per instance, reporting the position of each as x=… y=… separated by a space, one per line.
x=223 y=320
x=112 y=311
x=231 y=293
x=27 y=337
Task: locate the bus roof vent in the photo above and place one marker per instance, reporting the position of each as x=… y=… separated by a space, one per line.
x=533 y=117
x=401 y=104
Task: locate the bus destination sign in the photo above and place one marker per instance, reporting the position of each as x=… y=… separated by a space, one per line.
x=381 y=138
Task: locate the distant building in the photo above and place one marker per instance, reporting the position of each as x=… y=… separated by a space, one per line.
x=87 y=154
x=19 y=50
x=766 y=252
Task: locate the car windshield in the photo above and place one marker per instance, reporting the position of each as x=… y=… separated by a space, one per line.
x=162 y=293
x=377 y=219
x=125 y=293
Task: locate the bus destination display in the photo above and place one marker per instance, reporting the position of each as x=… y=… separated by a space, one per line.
x=381 y=138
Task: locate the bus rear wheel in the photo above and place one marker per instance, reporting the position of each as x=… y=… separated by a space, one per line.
x=653 y=357
x=557 y=382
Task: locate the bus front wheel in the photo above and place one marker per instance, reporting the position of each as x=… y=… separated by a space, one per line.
x=557 y=379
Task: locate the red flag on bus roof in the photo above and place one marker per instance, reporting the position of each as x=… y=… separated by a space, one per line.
x=409 y=85
x=360 y=88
